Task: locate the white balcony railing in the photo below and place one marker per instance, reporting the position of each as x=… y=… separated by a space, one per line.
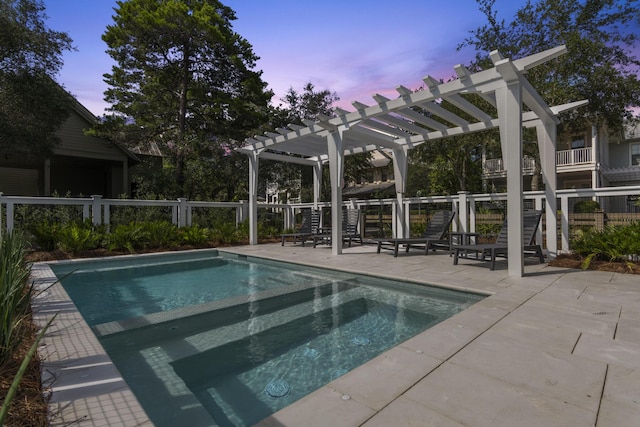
x=578 y=156
x=496 y=166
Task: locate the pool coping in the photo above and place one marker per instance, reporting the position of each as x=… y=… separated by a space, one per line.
x=389 y=385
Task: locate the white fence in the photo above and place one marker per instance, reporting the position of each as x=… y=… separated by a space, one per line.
x=619 y=200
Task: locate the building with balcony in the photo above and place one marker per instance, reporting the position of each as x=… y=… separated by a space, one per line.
x=591 y=159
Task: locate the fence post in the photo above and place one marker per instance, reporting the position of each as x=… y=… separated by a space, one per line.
x=106 y=215
x=288 y=217
x=96 y=209
x=0 y=215
x=564 y=222
x=599 y=219
x=472 y=213
x=9 y=216
x=463 y=211
x=182 y=212
x=240 y=212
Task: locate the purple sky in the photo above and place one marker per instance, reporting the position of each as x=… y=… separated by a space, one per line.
x=355 y=48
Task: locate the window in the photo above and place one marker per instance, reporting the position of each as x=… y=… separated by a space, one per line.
x=384 y=175
x=635 y=154
x=577 y=142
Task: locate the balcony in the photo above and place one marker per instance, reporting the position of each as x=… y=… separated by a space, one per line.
x=565 y=159
x=578 y=156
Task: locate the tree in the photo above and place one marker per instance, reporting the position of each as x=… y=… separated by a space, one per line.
x=599 y=65
x=32 y=104
x=295 y=108
x=184 y=80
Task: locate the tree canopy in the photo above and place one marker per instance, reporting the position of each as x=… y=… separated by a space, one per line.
x=184 y=80
x=32 y=104
x=600 y=64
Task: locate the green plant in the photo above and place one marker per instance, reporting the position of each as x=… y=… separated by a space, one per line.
x=45 y=234
x=267 y=231
x=80 y=236
x=586 y=206
x=160 y=233
x=226 y=233
x=128 y=237
x=194 y=235
x=15 y=292
x=612 y=244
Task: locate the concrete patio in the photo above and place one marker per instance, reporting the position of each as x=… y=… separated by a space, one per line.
x=557 y=347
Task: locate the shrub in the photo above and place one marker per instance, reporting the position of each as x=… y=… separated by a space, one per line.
x=128 y=237
x=614 y=243
x=160 y=233
x=45 y=234
x=15 y=292
x=194 y=235
x=78 y=237
x=226 y=233
x=586 y=206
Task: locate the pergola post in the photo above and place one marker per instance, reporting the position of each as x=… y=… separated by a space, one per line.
x=253 y=198
x=317 y=183
x=546 y=132
x=336 y=167
x=400 y=178
x=509 y=103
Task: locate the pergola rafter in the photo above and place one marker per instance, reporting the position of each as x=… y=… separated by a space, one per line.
x=418 y=117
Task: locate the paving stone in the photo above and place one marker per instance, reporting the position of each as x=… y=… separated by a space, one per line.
x=386 y=377
x=475 y=399
x=613 y=352
x=406 y=412
x=620 y=405
x=563 y=376
x=324 y=407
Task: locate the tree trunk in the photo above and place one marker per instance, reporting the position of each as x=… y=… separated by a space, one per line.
x=182 y=121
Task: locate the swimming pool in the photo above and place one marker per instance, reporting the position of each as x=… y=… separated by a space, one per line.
x=236 y=359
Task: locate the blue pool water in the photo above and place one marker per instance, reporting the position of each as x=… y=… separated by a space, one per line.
x=233 y=340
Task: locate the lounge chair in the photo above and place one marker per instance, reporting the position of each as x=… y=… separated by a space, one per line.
x=308 y=228
x=350 y=221
x=433 y=237
x=530 y=221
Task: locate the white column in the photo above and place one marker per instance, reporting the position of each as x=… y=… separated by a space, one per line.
x=253 y=198
x=336 y=168
x=463 y=211
x=317 y=183
x=400 y=177
x=509 y=103
x=547 y=146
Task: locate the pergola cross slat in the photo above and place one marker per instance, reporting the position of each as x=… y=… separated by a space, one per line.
x=418 y=117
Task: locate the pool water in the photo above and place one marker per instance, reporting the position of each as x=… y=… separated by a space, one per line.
x=111 y=290
x=255 y=346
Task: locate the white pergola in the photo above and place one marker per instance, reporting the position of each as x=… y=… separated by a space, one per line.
x=400 y=124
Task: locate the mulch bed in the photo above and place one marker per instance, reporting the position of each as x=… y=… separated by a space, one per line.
x=29 y=405
x=574 y=261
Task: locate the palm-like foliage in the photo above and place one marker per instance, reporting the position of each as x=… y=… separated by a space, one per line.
x=613 y=244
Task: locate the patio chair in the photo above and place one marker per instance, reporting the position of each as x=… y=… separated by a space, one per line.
x=308 y=228
x=530 y=221
x=350 y=222
x=433 y=237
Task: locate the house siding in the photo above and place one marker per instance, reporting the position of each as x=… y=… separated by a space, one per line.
x=75 y=143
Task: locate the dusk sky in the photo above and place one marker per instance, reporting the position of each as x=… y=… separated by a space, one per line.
x=355 y=48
